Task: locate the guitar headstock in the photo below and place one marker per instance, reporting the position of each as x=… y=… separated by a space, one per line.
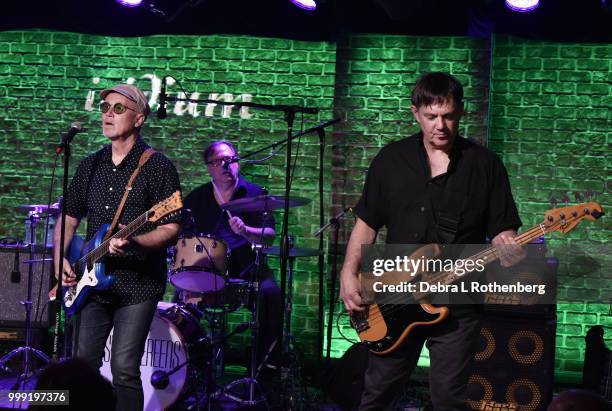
x=566 y=218
x=165 y=207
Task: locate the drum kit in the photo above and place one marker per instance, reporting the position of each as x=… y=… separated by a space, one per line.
x=36 y=214
x=183 y=358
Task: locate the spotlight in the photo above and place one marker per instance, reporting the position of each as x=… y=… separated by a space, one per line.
x=305 y=4
x=522 y=6
x=130 y=3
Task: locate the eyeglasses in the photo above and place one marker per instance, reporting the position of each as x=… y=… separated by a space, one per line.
x=118 y=108
x=219 y=161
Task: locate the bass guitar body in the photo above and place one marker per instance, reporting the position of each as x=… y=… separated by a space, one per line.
x=383 y=327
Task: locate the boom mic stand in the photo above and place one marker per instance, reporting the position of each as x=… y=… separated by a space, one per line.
x=334 y=221
x=289 y=112
x=64 y=147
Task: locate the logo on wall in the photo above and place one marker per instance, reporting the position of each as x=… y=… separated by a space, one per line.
x=182 y=108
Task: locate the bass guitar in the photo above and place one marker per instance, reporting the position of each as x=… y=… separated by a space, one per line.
x=384 y=327
x=86 y=258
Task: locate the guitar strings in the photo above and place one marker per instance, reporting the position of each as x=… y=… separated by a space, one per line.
x=523 y=238
x=102 y=249
x=491 y=251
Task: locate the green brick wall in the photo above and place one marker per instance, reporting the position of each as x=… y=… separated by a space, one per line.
x=544 y=107
x=551 y=124
x=47 y=78
x=374 y=78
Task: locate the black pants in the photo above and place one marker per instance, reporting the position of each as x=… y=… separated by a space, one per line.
x=131 y=326
x=451 y=346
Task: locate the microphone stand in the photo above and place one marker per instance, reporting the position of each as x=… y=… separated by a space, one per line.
x=321 y=261
x=289 y=111
x=335 y=221
x=65 y=148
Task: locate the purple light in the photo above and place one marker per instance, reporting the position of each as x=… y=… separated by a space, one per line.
x=305 y=4
x=522 y=6
x=130 y=3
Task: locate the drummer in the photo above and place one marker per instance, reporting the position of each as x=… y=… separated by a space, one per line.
x=238 y=230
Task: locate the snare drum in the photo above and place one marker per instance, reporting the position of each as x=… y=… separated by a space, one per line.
x=200 y=264
x=174 y=336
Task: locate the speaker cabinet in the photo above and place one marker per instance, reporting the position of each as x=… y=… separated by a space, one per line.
x=14 y=268
x=513 y=364
x=536 y=269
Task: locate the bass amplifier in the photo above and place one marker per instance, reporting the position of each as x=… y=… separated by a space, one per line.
x=14 y=265
x=513 y=365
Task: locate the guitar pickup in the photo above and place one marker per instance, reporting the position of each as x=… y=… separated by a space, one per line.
x=359 y=321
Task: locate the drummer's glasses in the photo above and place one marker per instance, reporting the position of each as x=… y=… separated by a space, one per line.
x=118 y=108
x=217 y=162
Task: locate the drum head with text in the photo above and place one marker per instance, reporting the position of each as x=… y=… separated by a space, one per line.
x=164 y=350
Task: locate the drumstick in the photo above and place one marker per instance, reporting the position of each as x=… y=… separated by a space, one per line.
x=221 y=199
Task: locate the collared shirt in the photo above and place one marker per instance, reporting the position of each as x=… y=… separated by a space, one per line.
x=468 y=203
x=95 y=193
x=210 y=219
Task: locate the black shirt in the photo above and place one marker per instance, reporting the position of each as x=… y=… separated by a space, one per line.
x=469 y=202
x=95 y=192
x=210 y=219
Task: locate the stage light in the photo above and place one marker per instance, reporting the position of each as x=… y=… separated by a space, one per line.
x=523 y=6
x=130 y=3
x=305 y=4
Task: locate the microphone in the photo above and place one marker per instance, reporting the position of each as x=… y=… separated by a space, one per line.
x=15 y=274
x=161 y=110
x=67 y=137
x=333 y=220
x=227 y=163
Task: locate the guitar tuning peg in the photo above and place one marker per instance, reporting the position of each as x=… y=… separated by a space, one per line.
x=578 y=196
x=565 y=198
x=553 y=201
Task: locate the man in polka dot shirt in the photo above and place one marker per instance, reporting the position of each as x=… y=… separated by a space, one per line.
x=137 y=263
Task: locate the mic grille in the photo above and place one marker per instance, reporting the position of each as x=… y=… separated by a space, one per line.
x=77 y=125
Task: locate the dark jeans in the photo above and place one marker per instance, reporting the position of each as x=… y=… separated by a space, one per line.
x=131 y=323
x=451 y=347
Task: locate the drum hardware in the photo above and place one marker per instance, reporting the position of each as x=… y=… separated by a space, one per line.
x=262 y=203
x=27 y=350
x=291 y=371
x=255 y=393
x=335 y=222
x=293 y=251
x=40 y=209
x=35 y=213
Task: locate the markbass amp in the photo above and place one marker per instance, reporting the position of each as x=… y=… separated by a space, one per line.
x=513 y=364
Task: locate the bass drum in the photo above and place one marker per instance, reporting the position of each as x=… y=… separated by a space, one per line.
x=173 y=330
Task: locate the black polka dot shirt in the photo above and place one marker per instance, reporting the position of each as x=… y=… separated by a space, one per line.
x=95 y=193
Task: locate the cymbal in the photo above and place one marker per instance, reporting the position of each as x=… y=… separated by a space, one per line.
x=40 y=208
x=293 y=252
x=262 y=203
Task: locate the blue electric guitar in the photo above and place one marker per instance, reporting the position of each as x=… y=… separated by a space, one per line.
x=86 y=258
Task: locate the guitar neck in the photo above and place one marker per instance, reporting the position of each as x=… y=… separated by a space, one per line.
x=101 y=250
x=487 y=256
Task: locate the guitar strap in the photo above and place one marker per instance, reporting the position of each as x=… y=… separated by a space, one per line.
x=447 y=213
x=144 y=157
